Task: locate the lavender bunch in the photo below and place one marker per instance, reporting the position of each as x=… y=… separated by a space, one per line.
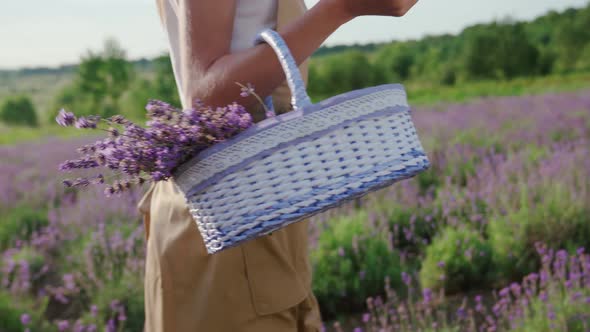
x=140 y=154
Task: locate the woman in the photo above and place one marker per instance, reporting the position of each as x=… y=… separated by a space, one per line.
x=263 y=284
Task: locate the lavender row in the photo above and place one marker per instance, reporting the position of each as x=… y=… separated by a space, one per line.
x=508 y=173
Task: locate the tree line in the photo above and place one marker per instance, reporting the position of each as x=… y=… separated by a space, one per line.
x=555 y=43
x=106 y=83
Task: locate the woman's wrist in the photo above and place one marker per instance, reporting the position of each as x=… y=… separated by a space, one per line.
x=336 y=10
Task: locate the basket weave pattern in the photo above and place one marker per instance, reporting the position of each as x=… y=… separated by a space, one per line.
x=294 y=165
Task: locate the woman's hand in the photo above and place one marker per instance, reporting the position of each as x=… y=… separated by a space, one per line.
x=355 y=8
x=209 y=70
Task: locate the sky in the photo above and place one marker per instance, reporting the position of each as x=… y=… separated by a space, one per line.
x=50 y=33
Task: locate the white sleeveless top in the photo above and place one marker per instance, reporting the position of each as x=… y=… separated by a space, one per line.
x=251 y=17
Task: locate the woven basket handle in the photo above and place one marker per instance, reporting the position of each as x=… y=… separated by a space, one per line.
x=299 y=97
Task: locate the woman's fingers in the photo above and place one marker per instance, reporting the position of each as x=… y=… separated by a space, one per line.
x=401 y=8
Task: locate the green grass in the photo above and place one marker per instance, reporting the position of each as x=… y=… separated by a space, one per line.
x=12 y=134
x=40 y=87
x=418 y=94
x=421 y=94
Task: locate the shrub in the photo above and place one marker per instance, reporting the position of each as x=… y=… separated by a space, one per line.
x=428 y=180
x=412 y=228
x=556 y=219
x=72 y=99
x=457 y=260
x=33 y=257
x=9 y=314
x=350 y=70
x=511 y=257
x=122 y=296
x=350 y=264
x=568 y=316
x=21 y=270
x=554 y=298
x=108 y=275
x=12 y=309
x=19 y=111
x=135 y=100
x=20 y=223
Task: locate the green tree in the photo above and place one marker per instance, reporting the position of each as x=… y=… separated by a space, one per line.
x=165 y=83
x=542 y=33
x=315 y=85
x=572 y=39
x=72 y=99
x=19 y=111
x=348 y=71
x=104 y=77
x=397 y=61
x=162 y=86
x=500 y=51
x=520 y=56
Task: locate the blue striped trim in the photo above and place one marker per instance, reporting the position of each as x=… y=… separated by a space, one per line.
x=320 y=206
x=232 y=169
x=285 y=117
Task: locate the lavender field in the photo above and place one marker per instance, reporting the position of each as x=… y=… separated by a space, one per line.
x=491 y=238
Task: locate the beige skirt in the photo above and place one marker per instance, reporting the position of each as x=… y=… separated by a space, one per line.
x=261 y=285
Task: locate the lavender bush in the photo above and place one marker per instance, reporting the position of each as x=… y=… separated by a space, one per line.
x=352 y=260
x=75 y=259
x=516 y=158
x=457 y=260
x=555 y=298
x=509 y=172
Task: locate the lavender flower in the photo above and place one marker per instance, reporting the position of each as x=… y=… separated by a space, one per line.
x=69 y=281
x=406 y=278
x=366 y=318
x=79 y=326
x=94 y=310
x=362 y=274
x=111 y=326
x=25 y=319
x=82 y=123
x=63 y=325
x=247 y=90
x=502 y=182
x=172 y=137
x=115 y=304
x=65 y=118
x=427 y=296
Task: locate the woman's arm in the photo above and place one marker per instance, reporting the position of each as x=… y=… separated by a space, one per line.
x=210 y=71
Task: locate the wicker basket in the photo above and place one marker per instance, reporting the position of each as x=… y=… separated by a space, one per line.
x=291 y=166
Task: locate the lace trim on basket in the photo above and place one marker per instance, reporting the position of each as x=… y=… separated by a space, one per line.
x=200 y=168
